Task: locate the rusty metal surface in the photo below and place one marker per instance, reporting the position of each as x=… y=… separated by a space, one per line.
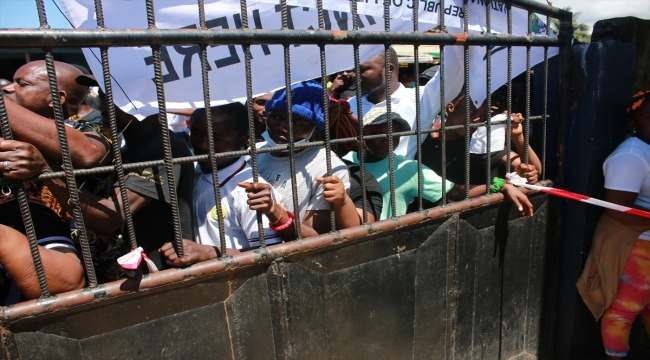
x=463 y=284
x=172 y=278
x=33 y=38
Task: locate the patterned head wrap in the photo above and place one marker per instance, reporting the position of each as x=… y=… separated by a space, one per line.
x=637 y=100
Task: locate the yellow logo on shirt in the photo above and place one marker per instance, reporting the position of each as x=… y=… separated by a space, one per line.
x=214 y=214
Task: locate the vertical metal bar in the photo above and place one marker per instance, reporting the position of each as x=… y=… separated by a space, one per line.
x=544 y=149
x=115 y=139
x=418 y=125
x=42 y=18
x=292 y=151
x=467 y=100
x=208 y=118
x=360 y=147
x=323 y=72
x=488 y=97
x=65 y=155
x=251 y=117
x=509 y=96
x=30 y=233
x=443 y=107
x=527 y=125
x=387 y=62
x=565 y=36
x=67 y=167
x=169 y=167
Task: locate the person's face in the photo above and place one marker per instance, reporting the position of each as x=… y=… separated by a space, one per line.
x=225 y=139
x=278 y=127
x=348 y=77
x=258 y=107
x=379 y=147
x=373 y=76
x=30 y=89
x=499 y=101
x=457 y=111
x=641 y=120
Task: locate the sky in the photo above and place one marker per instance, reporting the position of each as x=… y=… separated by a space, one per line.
x=594 y=10
x=22 y=13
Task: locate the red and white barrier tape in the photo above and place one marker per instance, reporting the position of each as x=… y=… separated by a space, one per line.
x=519 y=181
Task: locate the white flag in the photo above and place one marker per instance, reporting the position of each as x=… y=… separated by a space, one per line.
x=132 y=67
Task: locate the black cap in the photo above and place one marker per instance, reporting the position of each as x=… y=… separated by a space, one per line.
x=86 y=80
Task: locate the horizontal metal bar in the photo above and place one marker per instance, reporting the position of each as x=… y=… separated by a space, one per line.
x=34 y=38
x=540 y=8
x=74 y=301
x=230 y=154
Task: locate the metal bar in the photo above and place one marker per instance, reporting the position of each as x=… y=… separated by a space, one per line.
x=544 y=149
x=418 y=124
x=360 y=147
x=68 y=169
x=467 y=98
x=509 y=96
x=443 y=107
x=115 y=138
x=169 y=167
x=30 y=38
x=488 y=97
x=205 y=78
x=65 y=155
x=391 y=160
x=540 y=8
x=230 y=154
x=42 y=18
x=251 y=118
x=21 y=196
x=292 y=150
x=323 y=72
x=527 y=124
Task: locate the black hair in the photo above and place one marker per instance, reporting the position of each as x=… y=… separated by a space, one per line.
x=235 y=114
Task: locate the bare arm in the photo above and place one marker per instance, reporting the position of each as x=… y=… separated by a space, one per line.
x=509 y=191
x=87 y=149
x=625 y=198
x=104 y=215
x=519 y=141
x=259 y=198
x=63 y=271
x=345 y=213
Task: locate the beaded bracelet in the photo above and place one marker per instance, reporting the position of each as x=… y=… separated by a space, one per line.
x=285 y=225
x=497 y=185
x=279 y=217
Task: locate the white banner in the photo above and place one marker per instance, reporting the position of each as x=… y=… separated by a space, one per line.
x=132 y=67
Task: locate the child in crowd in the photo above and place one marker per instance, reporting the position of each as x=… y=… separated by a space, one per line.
x=315 y=191
x=240 y=197
x=376 y=154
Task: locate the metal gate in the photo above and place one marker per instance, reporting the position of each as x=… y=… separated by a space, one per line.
x=462 y=280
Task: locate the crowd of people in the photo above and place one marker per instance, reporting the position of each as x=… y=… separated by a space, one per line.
x=285 y=190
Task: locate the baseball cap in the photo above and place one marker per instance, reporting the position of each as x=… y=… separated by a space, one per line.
x=86 y=80
x=377 y=115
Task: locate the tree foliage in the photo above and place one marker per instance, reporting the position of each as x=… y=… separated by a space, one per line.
x=581 y=32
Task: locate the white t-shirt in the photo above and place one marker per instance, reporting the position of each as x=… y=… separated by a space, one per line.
x=403 y=100
x=478 y=141
x=403 y=103
x=177 y=123
x=240 y=222
x=627 y=169
x=310 y=164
